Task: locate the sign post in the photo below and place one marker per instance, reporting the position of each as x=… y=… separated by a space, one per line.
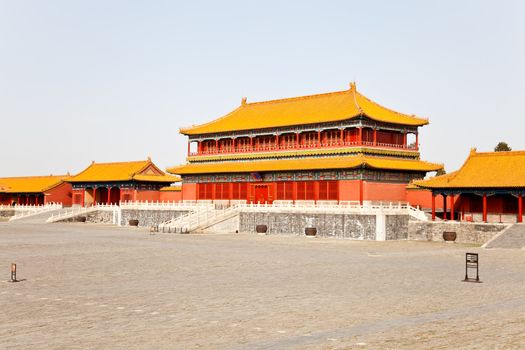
x=471 y=262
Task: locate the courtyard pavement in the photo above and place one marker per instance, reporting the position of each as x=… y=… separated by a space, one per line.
x=101 y=287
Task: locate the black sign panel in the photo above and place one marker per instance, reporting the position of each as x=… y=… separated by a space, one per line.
x=471 y=262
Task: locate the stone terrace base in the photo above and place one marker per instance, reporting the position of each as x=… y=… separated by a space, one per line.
x=353 y=226
x=467 y=232
x=146 y=218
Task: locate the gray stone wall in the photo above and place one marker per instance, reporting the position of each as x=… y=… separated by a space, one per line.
x=328 y=225
x=396 y=227
x=467 y=232
x=96 y=217
x=7 y=213
x=100 y=217
x=148 y=218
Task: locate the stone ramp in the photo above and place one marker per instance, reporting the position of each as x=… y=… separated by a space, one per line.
x=511 y=238
x=40 y=218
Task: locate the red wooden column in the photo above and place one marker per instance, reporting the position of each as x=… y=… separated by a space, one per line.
x=316 y=190
x=451 y=207
x=233 y=145
x=94 y=195
x=251 y=144
x=360 y=135
x=217 y=146
x=433 y=207
x=444 y=207
x=296 y=140
x=375 y=137
x=83 y=197
x=342 y=136
x=276 y=141
x=417 y=141
x=199 y=147
x=361 y=192
x=189 y=143
x=484 y=207
x=404 y=139
x=520 y=208
x=319 y=138
x=109 y=196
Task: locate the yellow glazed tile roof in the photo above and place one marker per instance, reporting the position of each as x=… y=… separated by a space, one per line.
x=321 y=108
x=143 y=170
x=343 y=162
x=483 y=170
x=31 y=184
x=171 y=189
x=157 y=178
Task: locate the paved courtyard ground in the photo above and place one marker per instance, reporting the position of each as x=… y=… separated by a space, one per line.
x=96 y=287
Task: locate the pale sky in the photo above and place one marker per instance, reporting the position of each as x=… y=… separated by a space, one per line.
x=114 y=80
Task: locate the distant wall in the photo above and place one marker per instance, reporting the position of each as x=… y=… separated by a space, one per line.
x=467 y=232
x=148 y=218
x=350 y=226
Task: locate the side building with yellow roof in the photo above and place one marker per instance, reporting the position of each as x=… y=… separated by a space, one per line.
x=334 y=146
x=111 y=183
x=489 y=187
x=35 y=190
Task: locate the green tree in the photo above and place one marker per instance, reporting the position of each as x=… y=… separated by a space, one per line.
x=441 y=172
x=502 y=147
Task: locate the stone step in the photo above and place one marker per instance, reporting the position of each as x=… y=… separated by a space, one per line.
x=511 y=238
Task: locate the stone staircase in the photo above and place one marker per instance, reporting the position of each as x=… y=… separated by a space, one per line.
x=37 y=218
x=201 y=220
x=512 y=237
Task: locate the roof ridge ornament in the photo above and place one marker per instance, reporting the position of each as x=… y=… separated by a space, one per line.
x=473 y=150
x=243 y=101
x=353 y=86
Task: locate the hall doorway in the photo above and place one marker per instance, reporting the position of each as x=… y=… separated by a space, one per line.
x=261 y=194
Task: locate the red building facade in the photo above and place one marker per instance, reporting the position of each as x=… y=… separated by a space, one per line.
x=111 y=183
x=334 y=146
x=489 y=187
x=35 y=190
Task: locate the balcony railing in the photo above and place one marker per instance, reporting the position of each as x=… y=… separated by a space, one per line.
x=308 y=145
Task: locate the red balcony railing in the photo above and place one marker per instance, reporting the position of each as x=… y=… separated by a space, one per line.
x=307 y=145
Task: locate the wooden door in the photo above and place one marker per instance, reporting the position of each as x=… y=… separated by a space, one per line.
x=261 y=194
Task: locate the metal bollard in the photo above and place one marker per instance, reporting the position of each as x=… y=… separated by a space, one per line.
x=13 y=273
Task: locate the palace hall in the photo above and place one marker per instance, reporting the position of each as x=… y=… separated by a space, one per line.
x=337 y=146
x=35 y=190
x=489 y=187
x=111 y=183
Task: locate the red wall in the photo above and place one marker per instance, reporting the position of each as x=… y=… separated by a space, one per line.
x=5 y=199
x=349 y=190
x=423 y=199
x=380 y=191
x=62 y=193
x=189 y=191
x=145 y=195
x=170 y=196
